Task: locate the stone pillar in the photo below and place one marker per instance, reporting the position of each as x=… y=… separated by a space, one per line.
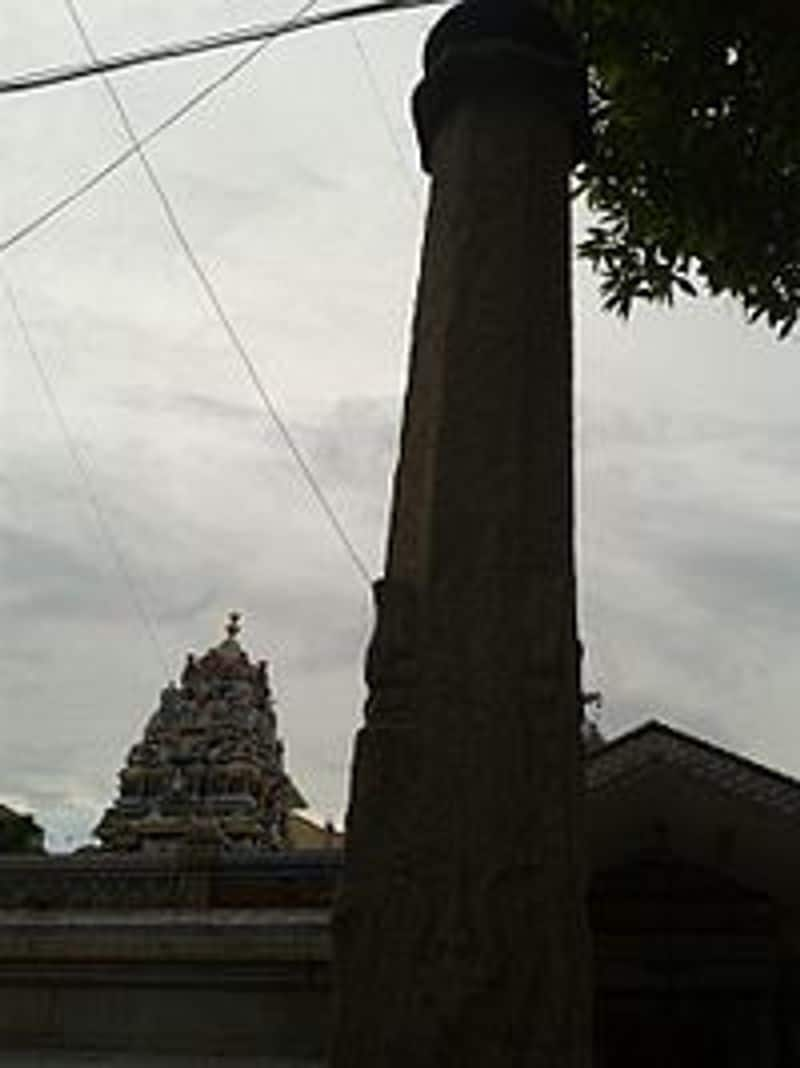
x=460 y=937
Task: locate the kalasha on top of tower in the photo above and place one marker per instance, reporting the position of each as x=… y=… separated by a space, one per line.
x=210 y=767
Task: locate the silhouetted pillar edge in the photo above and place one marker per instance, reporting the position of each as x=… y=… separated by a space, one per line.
x=389 y=896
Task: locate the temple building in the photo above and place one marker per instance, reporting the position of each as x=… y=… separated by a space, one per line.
x=209 y=769
x=692 y=891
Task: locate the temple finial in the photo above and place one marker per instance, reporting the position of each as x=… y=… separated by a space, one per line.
x=233 y=627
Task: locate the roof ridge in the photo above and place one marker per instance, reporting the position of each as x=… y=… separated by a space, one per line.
x=654 y=741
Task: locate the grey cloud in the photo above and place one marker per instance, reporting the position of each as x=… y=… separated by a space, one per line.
x=755 y=582
x=357 y=443
x=43 y=575
x=609 y=427
x=689 y=572
x=183 y=611
x=247 y=193
x=313 y=649
x=200 y=405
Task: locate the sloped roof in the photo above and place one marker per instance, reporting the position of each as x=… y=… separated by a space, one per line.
x=658 y=789
x=655 y=744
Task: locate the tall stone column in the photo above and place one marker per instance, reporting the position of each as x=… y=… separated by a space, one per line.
x=459 y=933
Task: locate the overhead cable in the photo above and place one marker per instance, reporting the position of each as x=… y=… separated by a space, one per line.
x=51 y=76
x=88 y=184
x=386 y=119
x=105 y=528
x=224 y=319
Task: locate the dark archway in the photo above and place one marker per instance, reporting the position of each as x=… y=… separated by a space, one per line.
x=686 y=969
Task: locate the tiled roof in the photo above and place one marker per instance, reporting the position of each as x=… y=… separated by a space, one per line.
x=632 y=755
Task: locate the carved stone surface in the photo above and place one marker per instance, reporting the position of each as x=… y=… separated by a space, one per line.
x=190 y=878
x=459 y=931
x=209 y=771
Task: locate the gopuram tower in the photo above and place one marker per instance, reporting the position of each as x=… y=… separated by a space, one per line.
x=210 y=766
x=460 y=937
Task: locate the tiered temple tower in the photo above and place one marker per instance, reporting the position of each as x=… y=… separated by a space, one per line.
x=210 y=767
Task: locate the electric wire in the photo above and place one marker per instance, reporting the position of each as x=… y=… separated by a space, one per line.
x=375 y=89
x=224 y=319
x=63 y=203
x=104 y=526
x=51 y=76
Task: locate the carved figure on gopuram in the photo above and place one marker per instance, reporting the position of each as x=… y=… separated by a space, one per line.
x=209 y=763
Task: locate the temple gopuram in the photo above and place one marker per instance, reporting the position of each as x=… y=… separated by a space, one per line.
x=209 y=769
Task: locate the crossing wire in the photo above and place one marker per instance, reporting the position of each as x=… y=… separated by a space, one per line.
x=224 y=319
x=84 y=475
x=386 y=119
x=52 y=76
x=63 y=203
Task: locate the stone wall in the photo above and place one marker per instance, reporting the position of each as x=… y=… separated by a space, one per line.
x=189 y=879
x=231 y=957
x=202 y=956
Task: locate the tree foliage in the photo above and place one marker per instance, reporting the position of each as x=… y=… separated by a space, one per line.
x=18 y=834
x=695 y=173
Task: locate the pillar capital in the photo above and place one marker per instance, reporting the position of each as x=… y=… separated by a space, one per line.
x=500 y=47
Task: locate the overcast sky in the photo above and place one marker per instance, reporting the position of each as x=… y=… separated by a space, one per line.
x=171 y=497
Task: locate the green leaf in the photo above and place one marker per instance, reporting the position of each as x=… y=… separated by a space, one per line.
x=696 y=113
